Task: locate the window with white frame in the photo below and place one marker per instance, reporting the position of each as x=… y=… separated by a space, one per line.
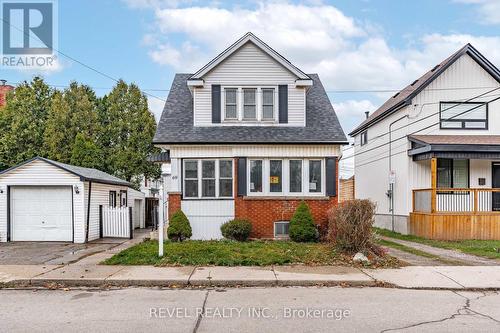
x=249 y=103
x=191 y=179
x=256 y=176
x=280 y=177
x=268 y=104
x=208 y=178
x=281 y=229
x=315 y=176
x=231 y=103
x=295 y=167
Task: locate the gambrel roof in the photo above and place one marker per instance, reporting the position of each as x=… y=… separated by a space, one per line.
x=404 y=96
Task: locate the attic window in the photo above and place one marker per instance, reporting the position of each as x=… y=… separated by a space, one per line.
x=364 y=138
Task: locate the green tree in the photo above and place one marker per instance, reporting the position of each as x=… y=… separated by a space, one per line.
x=302 y=228
x=22 y=122
x=86 y=152
x=72 y=112
x=128 y=128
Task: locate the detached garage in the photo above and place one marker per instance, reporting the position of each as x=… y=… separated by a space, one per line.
x=44 y=200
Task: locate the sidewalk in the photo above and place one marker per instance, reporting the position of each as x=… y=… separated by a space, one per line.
x=91 y=275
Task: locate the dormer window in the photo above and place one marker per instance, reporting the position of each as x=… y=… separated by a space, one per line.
x=231 y=103
x=268 y=104
x=249 y=103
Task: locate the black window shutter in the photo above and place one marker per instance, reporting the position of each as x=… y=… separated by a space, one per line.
x=216 y=107
x=283 y=103
x=331 y=176
x=242 y=176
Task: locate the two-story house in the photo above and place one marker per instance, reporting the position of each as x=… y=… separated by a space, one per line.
x=249 y=135
x=430 y=155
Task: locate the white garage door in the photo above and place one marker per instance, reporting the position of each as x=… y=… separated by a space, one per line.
x=41 y=213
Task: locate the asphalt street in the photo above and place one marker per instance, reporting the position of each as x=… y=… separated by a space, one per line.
x=293 y=309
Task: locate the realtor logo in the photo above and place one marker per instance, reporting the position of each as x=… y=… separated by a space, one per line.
x=28 y=33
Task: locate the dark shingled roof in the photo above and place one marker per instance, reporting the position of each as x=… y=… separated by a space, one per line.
x=86 y=174
x=405 y=96
x=176 y=123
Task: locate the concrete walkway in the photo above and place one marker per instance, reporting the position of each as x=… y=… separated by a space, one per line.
x=450 y=255
x=414 y=277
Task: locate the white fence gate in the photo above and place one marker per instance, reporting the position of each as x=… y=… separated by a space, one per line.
x=116 y=222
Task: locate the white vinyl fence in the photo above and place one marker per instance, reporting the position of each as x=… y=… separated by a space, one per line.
x=116 y=222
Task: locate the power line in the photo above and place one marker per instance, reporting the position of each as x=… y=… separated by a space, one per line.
x=76 y=60
x=422 y=129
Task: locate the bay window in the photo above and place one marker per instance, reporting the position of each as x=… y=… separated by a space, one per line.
x=285 y=177
x=208 y=179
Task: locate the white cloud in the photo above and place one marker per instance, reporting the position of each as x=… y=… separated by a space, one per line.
x=488 y=10
x=318 y=38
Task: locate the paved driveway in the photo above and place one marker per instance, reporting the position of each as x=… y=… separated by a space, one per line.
x=55 y=253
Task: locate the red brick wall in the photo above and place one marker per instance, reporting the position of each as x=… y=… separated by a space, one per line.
x=3 y=93
x=263 y=212
x=174 y=203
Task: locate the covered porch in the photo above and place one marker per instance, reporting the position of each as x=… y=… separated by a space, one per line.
x=463 y=200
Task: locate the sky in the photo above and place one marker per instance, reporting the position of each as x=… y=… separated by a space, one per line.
x=358 y=47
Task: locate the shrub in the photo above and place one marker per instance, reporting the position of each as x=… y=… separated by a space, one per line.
x=302 y=227
x=350 y=225
x=179 y=228
x=237 y=229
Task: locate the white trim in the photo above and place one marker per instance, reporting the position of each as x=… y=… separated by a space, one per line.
x=285 y=182
x=199 y=164
x=195 y=83
x=249 y=37
x=259 y=109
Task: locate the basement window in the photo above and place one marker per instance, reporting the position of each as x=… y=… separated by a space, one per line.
x=281 y=229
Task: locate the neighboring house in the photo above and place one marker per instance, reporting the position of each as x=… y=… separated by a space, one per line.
x=44 y=200
x=4 y=89
x=249 y=136
x=439 y=175
x=346 y=189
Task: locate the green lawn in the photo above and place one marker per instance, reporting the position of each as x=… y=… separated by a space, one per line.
x=484 y=248
x=229 y=253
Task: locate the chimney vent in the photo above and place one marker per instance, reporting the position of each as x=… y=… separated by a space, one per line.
x=3 y=82
x=367 y=114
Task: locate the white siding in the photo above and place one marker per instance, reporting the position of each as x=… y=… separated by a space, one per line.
x=134 y=195
x=99 y=196
x=249 y=66
x=372 y=165
x=38 y=173
x=206 y=216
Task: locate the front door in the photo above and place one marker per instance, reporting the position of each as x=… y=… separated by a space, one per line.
x=495 y=183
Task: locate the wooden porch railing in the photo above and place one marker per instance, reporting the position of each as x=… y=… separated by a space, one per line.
x=456 y=200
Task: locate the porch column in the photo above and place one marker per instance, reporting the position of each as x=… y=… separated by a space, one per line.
x=433 y=183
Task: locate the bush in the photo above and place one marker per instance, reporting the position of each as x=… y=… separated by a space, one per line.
x=179 y=228
x=237 y=229
x=302 y=227
x=350 y=225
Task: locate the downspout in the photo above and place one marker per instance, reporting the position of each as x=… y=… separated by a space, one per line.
x=390 y=193
x=88 y=213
